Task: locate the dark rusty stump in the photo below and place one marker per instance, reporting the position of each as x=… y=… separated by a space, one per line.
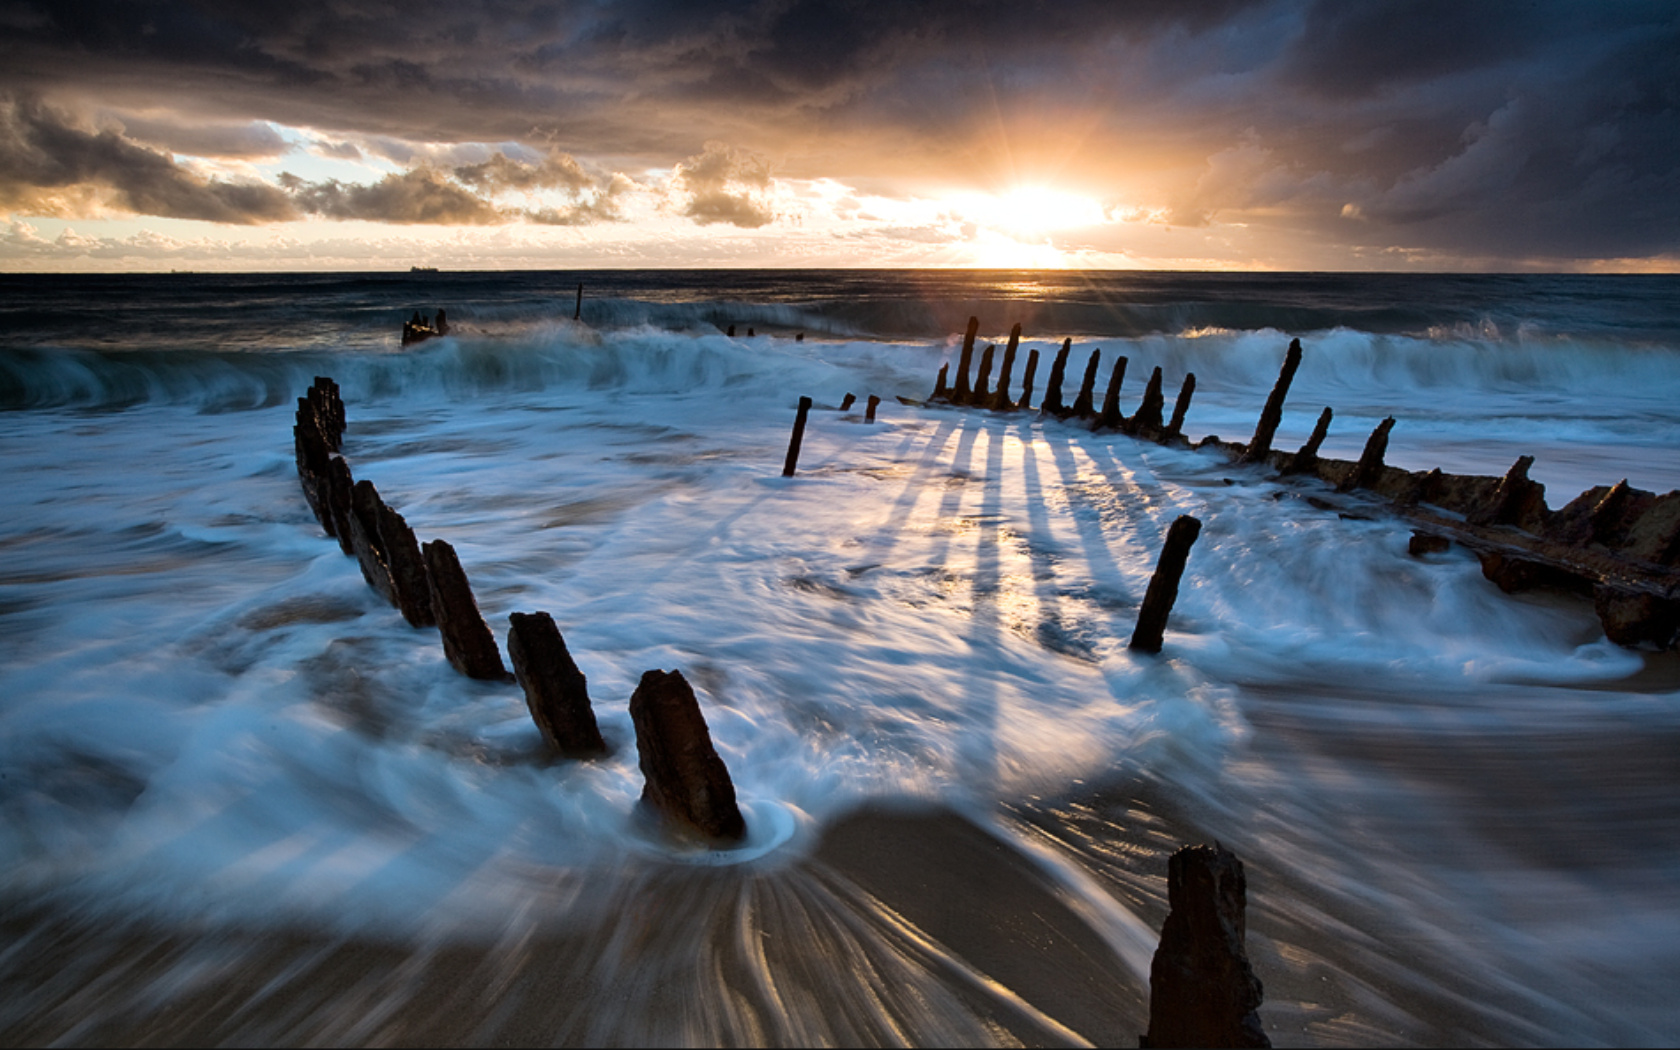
x=1175 y=428
x=1272 y=414
x=339 y=487
x=1517 y=501
x=556 y=692
x=961 y=393
x=847 y=402
x=869 y=409
x=685 y=781
x=1001 y=401
x=1306 y=460
x=1027 y=380
x=1202 y=990
x=1052 y=402
x=939 y=391
x=1370 y=465
x=982 y=378
x=1146 y=422
x=1163 y=586
x=1111 y=417
x=467 y=640
x=1083 y=404
x=790 y=464
x=365 y=506
x=407 y=567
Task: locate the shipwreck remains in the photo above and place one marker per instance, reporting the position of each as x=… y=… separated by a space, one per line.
x=685 y=781
x=418 y=329
x=1202 y=991
x=556 y=692
x=1613 y=544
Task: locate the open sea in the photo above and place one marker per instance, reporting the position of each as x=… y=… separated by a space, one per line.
x=241 y=801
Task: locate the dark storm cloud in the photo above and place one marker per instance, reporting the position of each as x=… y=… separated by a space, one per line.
x=1496 y=128
x=44 y=156
x=255 y=139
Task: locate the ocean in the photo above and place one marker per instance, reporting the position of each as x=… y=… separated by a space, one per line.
x=241 y=800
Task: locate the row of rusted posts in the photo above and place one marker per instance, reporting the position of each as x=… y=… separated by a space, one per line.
x=684 y=779
x=1617 y=545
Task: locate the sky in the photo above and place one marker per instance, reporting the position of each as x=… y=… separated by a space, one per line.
x=1439 y=135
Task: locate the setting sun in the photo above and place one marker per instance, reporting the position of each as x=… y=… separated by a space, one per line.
x=1030 y=211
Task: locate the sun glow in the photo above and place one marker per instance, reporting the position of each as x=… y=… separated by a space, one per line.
x=1030 y=211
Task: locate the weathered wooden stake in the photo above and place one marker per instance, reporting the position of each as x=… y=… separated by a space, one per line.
x=1052 y=402
x=577 y=314
x=685 y=781
x=1163 y=586
x=1147 y=420
x=847 y=402
x=1272 y=414
x=339 y=487
x=1516 y=499
x=1000 y=397
x=1027 y=380
x=408 y=568
x=939 y=391
x=869 y=412
x=982 y=379
x=1111 y=416
x=960 y=393
x=1082 y=404
x=1306 y=460
x=1181 y=406
x=798 y=436
x=365 y=505
x=1202 y=991
x=1370 y=464
x=467 y=640
x=556 y=692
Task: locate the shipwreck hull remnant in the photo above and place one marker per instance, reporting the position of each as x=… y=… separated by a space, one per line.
x=1616 y=545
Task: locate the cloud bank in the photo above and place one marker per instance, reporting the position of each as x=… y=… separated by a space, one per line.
x=1496 y=130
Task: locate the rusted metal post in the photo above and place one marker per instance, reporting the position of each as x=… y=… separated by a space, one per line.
x=1146 y=422
x=982 y=379
x=939 y=391
x=1370 y=464
x=847 y=402
x=1180 y=407
x=1272 y=414
x=869 y=412
x=1111 y=416
x=1163 y=586
x=1027 y=380
x=792 y=462
x=1082 y=404
x=1052 y=402
x=1000 y=397
x=1306 y=460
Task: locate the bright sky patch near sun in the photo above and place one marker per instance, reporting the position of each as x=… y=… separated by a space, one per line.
x=1276 y=134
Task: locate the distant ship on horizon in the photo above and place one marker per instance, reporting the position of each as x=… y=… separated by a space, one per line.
x=422 y=269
